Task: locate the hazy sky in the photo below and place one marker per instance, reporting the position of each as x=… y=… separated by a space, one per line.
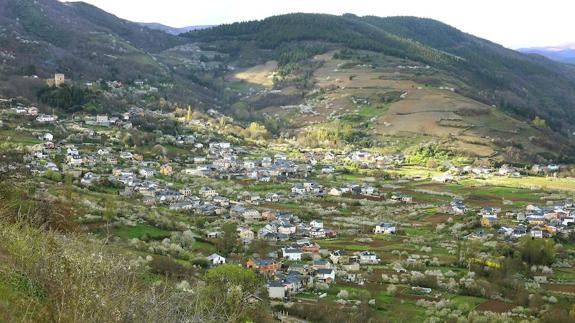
x=513 y=23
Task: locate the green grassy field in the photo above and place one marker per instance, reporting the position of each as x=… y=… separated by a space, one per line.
x=204 y=246
x=18 y=137
x=140 y=231
x=470 y=302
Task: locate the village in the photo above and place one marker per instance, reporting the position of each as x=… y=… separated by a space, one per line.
x=316 y=224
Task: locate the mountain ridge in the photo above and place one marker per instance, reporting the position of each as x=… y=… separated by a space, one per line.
x=521 y=84
x=562 y=53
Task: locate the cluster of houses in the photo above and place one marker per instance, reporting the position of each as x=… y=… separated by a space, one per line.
x=226 y=164
x=285 y=226
x=503 y=170
x=369 y=160
x=540 y=222
x=355 y=189
x=291 y=275
x=104 y=120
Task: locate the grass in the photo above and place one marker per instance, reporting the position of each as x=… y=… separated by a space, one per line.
x=17 y=292
x=140 y=231
x=401 y=311
x=506 y=192
x=364 y=114
x=565 y=274
x=204 y=246
x=17 y=137
x=416 y=231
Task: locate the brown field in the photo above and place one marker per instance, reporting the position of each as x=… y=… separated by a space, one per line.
x=563 y=288
x=423 y=109
x=495 y=306
x=260 y=74
x=436 y=219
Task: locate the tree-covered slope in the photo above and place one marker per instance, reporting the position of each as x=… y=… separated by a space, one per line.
x=272 y=32
x=46 y=36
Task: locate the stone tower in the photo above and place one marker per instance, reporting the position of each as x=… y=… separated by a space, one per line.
x=59 y=79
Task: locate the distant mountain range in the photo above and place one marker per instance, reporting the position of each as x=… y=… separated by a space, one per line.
x=172 y=30
x=562 y=53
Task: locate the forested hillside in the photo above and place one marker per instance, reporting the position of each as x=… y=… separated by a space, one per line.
x=523 y=85
x=47 y=36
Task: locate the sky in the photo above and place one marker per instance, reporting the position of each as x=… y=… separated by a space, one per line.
x=512 y=23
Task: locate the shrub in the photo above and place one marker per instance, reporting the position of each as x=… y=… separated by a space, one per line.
x=343 y=294
x=78 y=281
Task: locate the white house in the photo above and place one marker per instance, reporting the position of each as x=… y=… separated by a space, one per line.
x=386 y=228
x=145 y=172
x=536 y=233
x=287 y=229
x=298 y=189
x=75 y=160
x=216 y=259
x=44 y=118
x=249 y=164
x=316 y=224
x=246 y=234
x=368 y=190
x=326 y=275
x=48 y=137
x=208 y=192
x=72 y=151
x=102 y=120
x=335 y=191
x=292 y=254
x=317 y=232
x=444 y=178
x=251 y=215
x=276 y=289
x=368 y=257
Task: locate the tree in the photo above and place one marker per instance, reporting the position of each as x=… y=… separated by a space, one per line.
x=109 y=214
x=68 y=186
x=257 y=131
x=537 y=251
x=53 y=175
x=240 y=110
x=228 y=242
x=229 y=289
x=260 y=247
x=539 y=122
